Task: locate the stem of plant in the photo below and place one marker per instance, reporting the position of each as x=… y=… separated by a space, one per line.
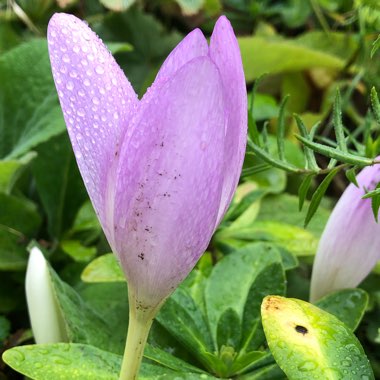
x=140 y=322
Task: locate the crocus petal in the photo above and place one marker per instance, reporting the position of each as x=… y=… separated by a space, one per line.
x=170 y=180
x=45 y=316
x=192 y=46
x=224 y=51
x=97 y=102
x=350 y=244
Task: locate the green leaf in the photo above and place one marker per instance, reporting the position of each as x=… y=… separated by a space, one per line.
x=286 y=207
x=375 y=104
x=303 y=189
x=282 y=55
x=19 y=221
x=11 y=170
x=338 y=125
x=103 y=269
x=348 y=305
x=117 y=5
x=308 y=342
x=29 y=109
x=281 y=129
x=335 y=153
x=294 y=239
x=375 y=46
x=229 y=329
x=351 y=176
x=5 y=328
x=77 y=251
x=68 y=361
x=181 y=317
x=63 y=361
x=318 y=194
x=82 y=323
x=231 y=279
x=58 y=183
x=270 y=281
x=375 y=205
x=190 y=7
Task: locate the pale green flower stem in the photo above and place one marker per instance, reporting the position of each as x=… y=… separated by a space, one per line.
x=140 y=322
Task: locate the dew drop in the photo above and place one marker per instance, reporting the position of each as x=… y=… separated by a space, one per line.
x=95 y=100
x=102 y=90
x=73 y=74
x=81 y=93
x=99 y=70
x=86 y=82
x=115 y=115
x=76 y=49
x=90 y=57
x=65 y=58
x=84 y=62
x=114 y=81
x=70 y=85
x=64 y=31
x=53 y=33
x=80 y=112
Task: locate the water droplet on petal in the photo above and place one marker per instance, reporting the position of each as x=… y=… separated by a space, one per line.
x=80 y=112
x=70 y=85
x=99 y=70
x=66 y=58
x=76 y=49
x=95 y=100
x=86 y=82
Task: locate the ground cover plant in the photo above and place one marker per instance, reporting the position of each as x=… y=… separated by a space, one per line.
x=119 y=208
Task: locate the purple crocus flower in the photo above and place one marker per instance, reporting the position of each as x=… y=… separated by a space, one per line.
x=350 y=244
x=160 y=171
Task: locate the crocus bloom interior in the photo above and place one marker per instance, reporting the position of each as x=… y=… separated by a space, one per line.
x=160 y=171
x=350 y=244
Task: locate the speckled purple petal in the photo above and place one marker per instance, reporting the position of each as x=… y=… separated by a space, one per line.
x=170 y=180
x=192 y=46
x=350 y=244
x=224 y=51
x=97 y=102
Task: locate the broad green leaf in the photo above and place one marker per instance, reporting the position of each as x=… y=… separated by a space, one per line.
x=5 y=327
x=186 y=322
x=229 y=329
x=190 y=7
x=163 y=358
x=77 y=251
x=271 y=280
x=10 y=171
x=117 y=5
x=58 y=183
x=349 y=305
x=308 y=342
x=63 y=361
x=19 y=221
x=231 y=279
x=297 y=240
x=103 y=269
x=282 y=55
x=109 y=300
x=286 y=211
x=264 y=107
x=82 y=323
x=68 y=361
x=29 y=109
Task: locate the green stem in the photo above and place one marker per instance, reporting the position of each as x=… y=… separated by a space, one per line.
x=140 y=321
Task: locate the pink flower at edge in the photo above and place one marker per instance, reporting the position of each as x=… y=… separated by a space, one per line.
x=160 y=171
x=350 y=244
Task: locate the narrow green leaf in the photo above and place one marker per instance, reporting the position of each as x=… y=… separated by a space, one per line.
x=309 y=154
x=351 y=176
x=375 y=104
x=334 y=153
x=309 y=343
x=318 y=195
x=281 y=129
x=264 y=135
x=375 y=46
x=267 y=157
x=372 y=193
x=303 y=190
x=375 y=205
x=337 y=121
x=349 y=305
